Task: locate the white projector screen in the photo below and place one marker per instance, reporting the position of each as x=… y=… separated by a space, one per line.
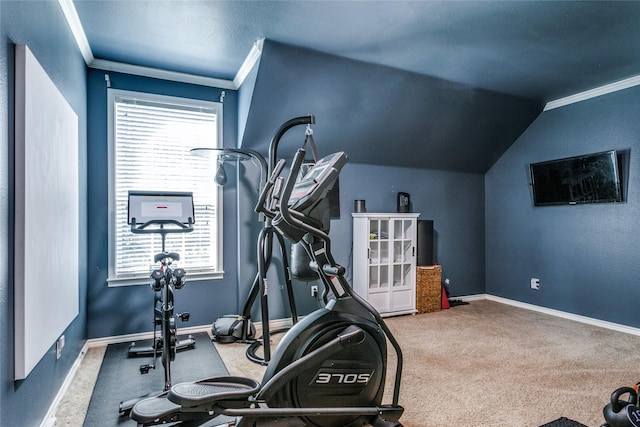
x=46 y=213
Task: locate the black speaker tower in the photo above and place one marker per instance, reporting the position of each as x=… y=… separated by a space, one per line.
x=425 y=243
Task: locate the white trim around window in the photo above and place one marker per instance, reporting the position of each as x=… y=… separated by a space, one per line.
x=149 y=151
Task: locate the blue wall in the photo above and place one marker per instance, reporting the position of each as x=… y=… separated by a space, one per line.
x=128 y=309
x=369 y=110
x=42 y=27
x=586 y=256
x=349 y=98
x=453 y=200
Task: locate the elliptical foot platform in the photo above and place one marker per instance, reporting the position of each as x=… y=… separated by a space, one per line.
x=204 y=396
x=206 y=392
x=155 y=409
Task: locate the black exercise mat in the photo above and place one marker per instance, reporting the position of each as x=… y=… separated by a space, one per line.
x=563 y=422
x=120 y=379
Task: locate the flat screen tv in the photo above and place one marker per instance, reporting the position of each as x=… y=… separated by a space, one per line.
x=592 y=178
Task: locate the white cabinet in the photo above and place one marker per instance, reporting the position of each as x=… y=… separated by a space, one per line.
x=384 y=260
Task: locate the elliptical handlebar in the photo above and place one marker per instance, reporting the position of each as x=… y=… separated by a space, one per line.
x=273 y=145
x=285 y=196
x=262 y=205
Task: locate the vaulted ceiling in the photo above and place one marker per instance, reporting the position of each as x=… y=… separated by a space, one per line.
x=440 y=84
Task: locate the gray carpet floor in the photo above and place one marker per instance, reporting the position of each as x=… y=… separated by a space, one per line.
x=484 y=364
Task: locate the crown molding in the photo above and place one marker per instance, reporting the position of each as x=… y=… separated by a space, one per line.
x=120 y=67
x=71 y=15
x=592 y=93
x=73 y=20
x=250 y=61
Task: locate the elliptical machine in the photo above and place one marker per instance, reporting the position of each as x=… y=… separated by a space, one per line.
x=162 y=213
x=329 y=370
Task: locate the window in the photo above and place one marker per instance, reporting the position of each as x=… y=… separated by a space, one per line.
x=150 y=137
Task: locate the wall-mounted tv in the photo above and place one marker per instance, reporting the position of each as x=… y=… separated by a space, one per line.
x=592 y=178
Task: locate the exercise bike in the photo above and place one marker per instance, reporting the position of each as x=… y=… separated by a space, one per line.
x=161 y=213
x=329 y=370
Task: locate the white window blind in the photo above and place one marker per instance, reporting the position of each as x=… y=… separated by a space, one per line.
x=150 y=140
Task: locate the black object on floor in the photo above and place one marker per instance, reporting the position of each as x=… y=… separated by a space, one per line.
x=120 y=379
x=563 y=422
x=456 y=302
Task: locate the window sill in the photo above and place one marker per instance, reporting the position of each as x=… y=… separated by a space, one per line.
x=134 y=281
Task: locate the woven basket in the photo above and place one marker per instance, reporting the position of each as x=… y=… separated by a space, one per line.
x=428 y=289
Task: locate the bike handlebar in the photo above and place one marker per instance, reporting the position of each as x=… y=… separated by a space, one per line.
x=142 y=228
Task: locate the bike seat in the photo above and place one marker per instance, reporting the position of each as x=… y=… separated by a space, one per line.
x=162 y=255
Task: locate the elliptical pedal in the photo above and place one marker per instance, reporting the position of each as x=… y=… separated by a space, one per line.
x=199 y=396
x=206 y=392
x=154 y=409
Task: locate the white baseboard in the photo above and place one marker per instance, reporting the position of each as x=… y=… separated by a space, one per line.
x=469 y=298
x=99 y=342
x=275 y=324
x=50 y=418
x=557 y=313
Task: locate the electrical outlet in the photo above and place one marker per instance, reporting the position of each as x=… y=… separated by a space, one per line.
x=535 y=284
x=314 y=291
x=59 y=346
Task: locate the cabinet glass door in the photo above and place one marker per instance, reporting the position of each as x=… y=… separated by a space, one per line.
x=403 y=252
x=378 y=254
